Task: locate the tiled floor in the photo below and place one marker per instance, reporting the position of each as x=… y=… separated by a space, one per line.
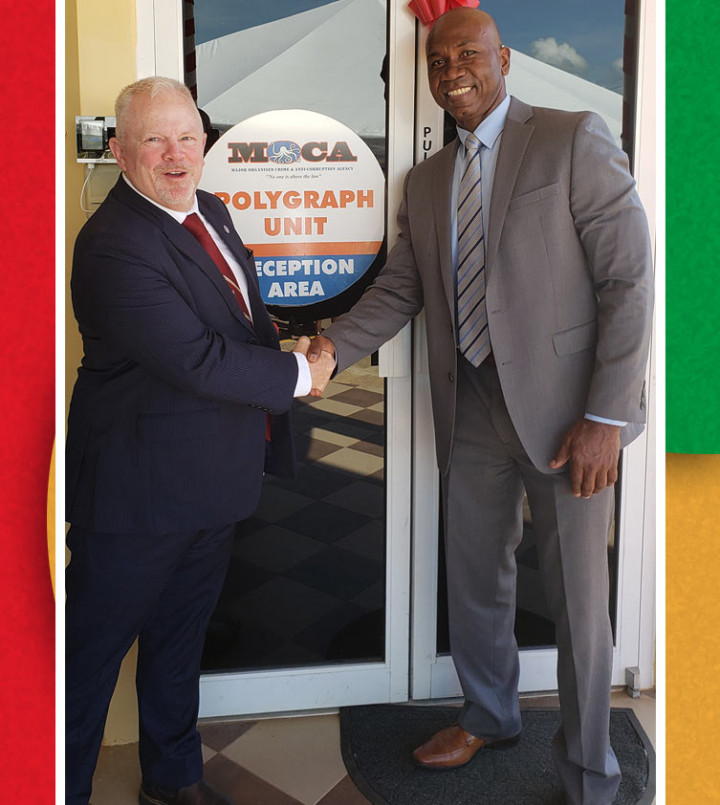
x=281 y=761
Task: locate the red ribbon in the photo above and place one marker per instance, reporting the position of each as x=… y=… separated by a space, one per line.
x=427 y=11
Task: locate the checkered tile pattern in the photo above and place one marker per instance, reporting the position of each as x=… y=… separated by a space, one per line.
x=306 y=581
x=282 y=761
x=267 y=762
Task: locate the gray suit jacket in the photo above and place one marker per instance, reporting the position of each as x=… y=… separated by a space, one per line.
x=568 y=272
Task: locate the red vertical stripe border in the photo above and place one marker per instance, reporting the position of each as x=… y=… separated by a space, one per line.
x=27 y=388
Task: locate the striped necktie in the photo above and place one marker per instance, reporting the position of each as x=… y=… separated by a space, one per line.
x=194 y=223
x=473 y=336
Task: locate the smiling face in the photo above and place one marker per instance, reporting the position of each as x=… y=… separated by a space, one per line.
x=160 y=148
x=467 y=65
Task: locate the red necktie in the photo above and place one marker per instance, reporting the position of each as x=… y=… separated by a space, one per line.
x=198 y=229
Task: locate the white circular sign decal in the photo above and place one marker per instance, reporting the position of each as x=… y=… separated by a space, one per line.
x=307 y=195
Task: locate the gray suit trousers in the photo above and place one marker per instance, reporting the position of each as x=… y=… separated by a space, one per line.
x=483 y=493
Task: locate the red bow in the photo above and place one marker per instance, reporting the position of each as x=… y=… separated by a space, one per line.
x=427 y=11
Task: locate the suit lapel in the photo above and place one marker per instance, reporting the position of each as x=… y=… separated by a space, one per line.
x=515 y=138
x=182 y=239
x=442 y=207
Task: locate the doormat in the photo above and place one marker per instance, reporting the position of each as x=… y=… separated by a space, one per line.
x=378 y=741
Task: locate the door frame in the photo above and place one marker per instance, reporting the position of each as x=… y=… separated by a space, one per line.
x=324 y=687
x=433 y=676
x=412 y=667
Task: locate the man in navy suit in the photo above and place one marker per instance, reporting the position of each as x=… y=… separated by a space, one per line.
x=180 y=405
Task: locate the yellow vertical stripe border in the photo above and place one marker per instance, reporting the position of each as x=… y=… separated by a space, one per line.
x=51 y=518
x=692 y=612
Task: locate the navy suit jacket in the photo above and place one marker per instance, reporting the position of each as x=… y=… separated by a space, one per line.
x=166 y=430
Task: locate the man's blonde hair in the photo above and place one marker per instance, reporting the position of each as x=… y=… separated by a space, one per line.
x=152 y=87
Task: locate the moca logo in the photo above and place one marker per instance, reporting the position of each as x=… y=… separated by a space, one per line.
x=284 y=152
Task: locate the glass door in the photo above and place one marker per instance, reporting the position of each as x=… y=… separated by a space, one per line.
x=334 y=594
x=572 y=56
x=315 y=609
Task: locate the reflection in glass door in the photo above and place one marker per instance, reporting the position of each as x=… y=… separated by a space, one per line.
x=311 y=615
x=306 y=584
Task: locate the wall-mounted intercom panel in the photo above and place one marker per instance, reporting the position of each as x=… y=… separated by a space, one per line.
x=93 y=135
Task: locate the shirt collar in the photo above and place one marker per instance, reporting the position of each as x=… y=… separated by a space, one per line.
x=491 y=127
x=177 y=215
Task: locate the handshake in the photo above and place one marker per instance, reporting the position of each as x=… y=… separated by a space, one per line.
x=320 y=354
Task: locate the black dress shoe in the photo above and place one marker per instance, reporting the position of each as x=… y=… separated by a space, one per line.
x=197 y=794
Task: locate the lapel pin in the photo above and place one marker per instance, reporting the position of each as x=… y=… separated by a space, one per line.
x=226 y=229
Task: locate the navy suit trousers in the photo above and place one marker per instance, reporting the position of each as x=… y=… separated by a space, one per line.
x=161 y=589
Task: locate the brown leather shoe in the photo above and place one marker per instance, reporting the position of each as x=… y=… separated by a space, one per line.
x=197 y=794
x=454 y=747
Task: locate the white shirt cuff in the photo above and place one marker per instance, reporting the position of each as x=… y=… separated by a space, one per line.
x=605 y=421
x=303 y=385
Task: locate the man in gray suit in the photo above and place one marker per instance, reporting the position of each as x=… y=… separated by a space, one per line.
x=537 y=381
